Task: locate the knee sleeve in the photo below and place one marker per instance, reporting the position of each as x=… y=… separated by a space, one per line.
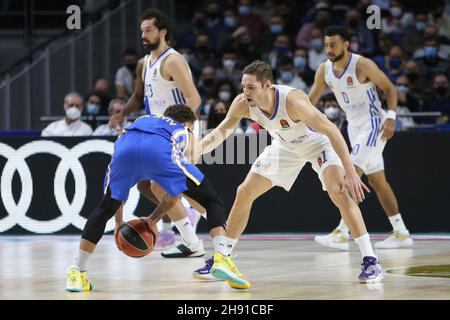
x=96 y=223
x=206 y=195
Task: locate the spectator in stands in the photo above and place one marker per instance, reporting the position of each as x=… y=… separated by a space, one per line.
x=214 y=24
x=244 y=47
x=439 y=98
x=115 y=107
x=416 y=83
x=102 y=89
x=71 y=125
x=396 y=21
x=225 y=35
x=250 y=19
x=217 y=114
x=126 y=74
x=406 y=103
x=431 y=63
x=365 y=43
x=317 y=54
x=204 y=54
x=302 y=67
x=330 y=107
x=276 y=27
x=281 y=48
x=207 y=84
x=321 y=21
x=414 y=36
x=226 y=91
x=229 y=68
x=93 y=105
x=287 y=75
x=391 y=64
x=431 y=33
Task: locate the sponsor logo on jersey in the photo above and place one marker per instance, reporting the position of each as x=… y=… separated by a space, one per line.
x=155 y=72
x=349 y=82
x=284 y=124
x=319 y=162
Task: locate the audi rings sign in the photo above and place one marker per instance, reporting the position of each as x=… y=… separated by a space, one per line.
x=49 y=185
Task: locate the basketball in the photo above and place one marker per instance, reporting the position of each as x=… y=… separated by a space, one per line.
x=135 y=238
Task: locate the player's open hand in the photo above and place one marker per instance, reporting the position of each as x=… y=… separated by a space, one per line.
x=116 y=231
x=355 y=187
x=387 y=129
x=153 y=227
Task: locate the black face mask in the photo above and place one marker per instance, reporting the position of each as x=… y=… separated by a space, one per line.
x=353 y=23
x=203 y=50
x=244 y=47
x=200 y=24
x=212 y=15
x=441 y=91
x=131 y=66
x=412 y=76
x=208 y=82
x=153 y=46
x=219 y=117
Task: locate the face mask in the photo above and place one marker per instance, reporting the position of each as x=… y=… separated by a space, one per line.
x=353 y=23
x=131 y=66
x=412 y=76
x=396 y=12
x=421 y=26
x=208 y=82
x=244 y=10
x=229 y=63
x=224 y=95
x=354 y=47
x=276 y=28
x=212 y=15
x=395 y=63
x=317 y=43
x=219 y=117
x=331 y=112
x=402 y=88
x=92 y=108
x=230 y=22
x=200 y=24
x=287 y=76
x=203 y=49
x=430 y=52
x=281 y=49
x=73 y=113
x=441 y=91
x=299 y=62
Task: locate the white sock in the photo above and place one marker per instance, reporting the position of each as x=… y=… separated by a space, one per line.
x=343 y=227
x=365 y=246
x=220 y=245
x=231 y=243
x=397 y=223
x=167 y=226
x=184 y=226
x=82 y=260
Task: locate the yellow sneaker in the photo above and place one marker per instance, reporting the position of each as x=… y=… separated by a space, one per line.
x=77 y=281
x=224 y=269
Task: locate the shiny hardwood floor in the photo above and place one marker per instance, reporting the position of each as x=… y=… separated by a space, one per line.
x=279 y=268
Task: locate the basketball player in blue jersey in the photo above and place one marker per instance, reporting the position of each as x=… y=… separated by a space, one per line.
x=157 y=148
x=163 y=78
x=353 y=80
x=300 y=134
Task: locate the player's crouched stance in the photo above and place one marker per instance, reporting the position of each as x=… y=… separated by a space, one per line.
x=158 y=148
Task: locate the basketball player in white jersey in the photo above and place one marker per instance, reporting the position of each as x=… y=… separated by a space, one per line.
x=301 y=134
x=353 y=80
x=163 y=78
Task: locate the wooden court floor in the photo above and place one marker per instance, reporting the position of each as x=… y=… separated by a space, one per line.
x=279 y=268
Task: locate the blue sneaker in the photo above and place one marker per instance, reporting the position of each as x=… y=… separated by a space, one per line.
x=204 y=273
x=371 y=271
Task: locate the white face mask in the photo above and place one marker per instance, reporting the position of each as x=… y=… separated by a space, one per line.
x=229 y=63
x=73 y=113
x=224 y=95
x=331 y=112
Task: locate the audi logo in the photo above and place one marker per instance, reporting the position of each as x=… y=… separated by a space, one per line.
x=70 y=161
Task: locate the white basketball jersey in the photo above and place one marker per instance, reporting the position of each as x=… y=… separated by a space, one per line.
x=280 y=125
x=359 y=100
x=159 y=92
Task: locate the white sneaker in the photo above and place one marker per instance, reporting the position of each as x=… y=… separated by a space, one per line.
x=395 y=240
x=336 y=239
x=194 y=217
x=185 y=250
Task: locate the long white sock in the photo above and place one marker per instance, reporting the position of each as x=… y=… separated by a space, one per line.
x=365 y=246
x=343 y=227
x=231 y=243
x=220 y=245
x=167 y=226
x=184 y=226
x=397 y=223
x=82 y=260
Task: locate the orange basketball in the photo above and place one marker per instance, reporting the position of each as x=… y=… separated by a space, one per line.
x=135 y=238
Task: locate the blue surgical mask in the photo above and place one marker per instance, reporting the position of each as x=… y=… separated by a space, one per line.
x=230 y=22
x=92 y=109
x=395 y=63
x=317 y=43
x=421 y=26
x=281 y=49
x=299 y=62
x=244 y=10
x=430 y=52
x=402 y=88
x=287 y=76
x=276 y=28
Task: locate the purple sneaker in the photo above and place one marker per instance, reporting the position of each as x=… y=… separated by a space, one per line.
x=371 y=271
x=204 y=272
x=166 y=240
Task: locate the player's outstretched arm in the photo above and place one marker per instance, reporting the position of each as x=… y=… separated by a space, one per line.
x=369 y=69
x=238 y=110
x=318 y=86
x=177 y=68
x=300 y=108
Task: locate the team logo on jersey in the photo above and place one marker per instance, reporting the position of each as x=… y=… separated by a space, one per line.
x=349 y=81
x=155 y=72
x=319 y=162
x=284 y=124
